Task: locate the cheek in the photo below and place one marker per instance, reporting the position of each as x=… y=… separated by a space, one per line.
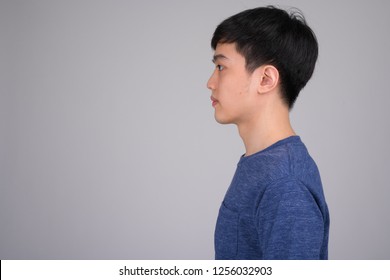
x=230 y=87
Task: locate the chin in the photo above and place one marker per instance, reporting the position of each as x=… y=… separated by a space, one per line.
x=222 y=120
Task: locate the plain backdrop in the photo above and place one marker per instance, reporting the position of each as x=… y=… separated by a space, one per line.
x=108 y=144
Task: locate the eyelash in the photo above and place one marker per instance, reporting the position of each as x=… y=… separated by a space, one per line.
x=220 y=67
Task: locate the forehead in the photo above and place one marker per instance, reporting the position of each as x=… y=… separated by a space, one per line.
x=228 y=52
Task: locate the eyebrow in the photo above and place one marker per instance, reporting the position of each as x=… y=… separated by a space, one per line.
x=218 y=56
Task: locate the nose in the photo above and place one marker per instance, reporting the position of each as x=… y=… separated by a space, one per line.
x=211 y=82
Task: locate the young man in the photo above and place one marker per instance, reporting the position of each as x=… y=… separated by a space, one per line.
x=275 y=207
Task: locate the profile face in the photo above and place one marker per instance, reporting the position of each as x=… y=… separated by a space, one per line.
x=231 y=86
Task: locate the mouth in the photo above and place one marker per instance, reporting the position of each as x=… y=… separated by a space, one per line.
x=214 y=101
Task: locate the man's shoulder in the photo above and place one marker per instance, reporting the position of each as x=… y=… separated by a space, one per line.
x=278 y=161
x=284 y=168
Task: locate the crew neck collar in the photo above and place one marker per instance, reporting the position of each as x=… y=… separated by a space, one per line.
x=290 y=139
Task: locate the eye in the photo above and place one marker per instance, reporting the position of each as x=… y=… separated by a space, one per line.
x=220 y=67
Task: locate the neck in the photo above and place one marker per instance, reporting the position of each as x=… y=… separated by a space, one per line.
x=265 y=130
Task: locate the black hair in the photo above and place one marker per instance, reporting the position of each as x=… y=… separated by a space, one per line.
x=269 y=35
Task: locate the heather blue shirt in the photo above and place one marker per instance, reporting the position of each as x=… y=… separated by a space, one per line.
x=275 y=207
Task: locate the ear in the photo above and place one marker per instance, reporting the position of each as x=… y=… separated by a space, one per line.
x=269 y=78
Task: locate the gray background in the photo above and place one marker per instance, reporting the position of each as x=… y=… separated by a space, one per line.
x=108 y=144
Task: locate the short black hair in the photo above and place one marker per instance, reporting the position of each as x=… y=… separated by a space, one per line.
x=269 y=35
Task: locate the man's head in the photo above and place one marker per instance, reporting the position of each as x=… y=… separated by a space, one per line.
x=271 y=36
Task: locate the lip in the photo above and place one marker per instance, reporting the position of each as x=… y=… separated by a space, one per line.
x=214 y=101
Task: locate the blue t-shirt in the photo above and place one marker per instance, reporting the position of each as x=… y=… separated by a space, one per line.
x=275 y=207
